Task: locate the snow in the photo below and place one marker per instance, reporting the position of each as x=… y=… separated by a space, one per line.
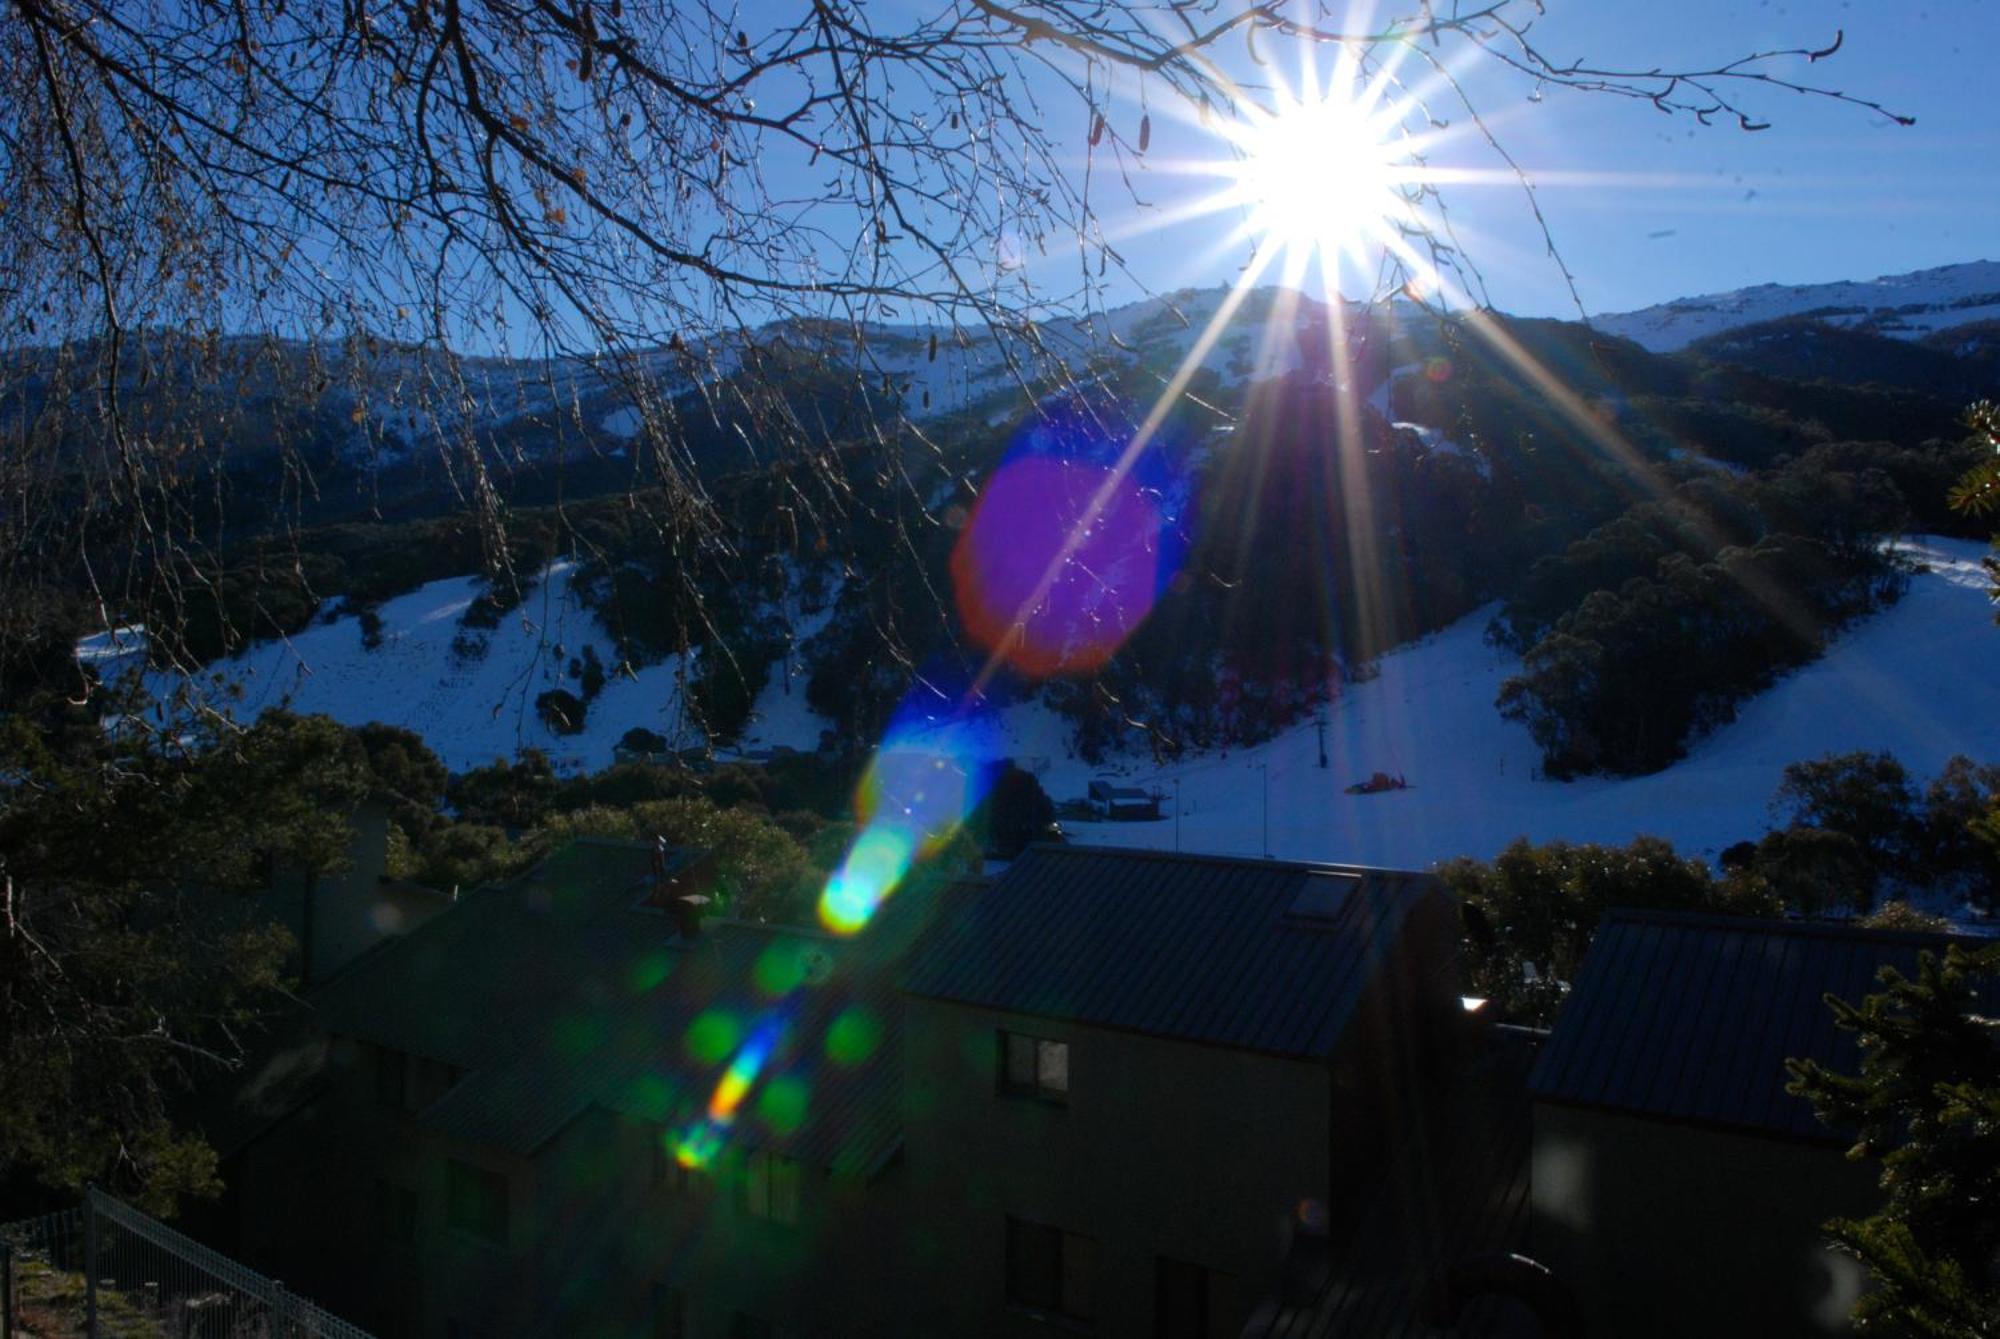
x=1906 y=681
x=623 y=422
x=1905 y=306
x=113 y=647
x=470 y=711
x=780 y=716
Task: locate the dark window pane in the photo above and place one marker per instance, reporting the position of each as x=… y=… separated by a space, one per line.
x=1034 y=1265
x=669 y=1312
x=1079 y=1277
x=757 y=1185
x=391 y=1078
x=1180 y=1300
x=1020 y=1061
x=476 y=1200
x=784 y=1190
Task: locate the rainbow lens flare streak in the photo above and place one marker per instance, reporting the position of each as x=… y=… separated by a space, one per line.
x=918 y=790
x=698 y=1146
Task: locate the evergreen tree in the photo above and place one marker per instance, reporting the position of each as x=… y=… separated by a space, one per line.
x=128 y=970
x=1977 y=492
x=1538 y=907
x=1926 y=1105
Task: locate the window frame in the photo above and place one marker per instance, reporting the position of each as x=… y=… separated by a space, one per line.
x=1040 y=1051
x=773 y=1187
x=1068 y=1293
x=398 y=1213
x=1211 y=1292
x=477 y=1202
x=392 y=1079
x=669 y=1315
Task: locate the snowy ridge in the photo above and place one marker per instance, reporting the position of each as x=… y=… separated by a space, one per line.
x=1904 y=306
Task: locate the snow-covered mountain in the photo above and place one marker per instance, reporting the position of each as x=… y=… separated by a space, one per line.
x=1904 y=306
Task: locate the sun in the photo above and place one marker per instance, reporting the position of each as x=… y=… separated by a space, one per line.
x=1324 y=175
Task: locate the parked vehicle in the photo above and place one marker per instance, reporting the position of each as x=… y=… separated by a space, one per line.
x=1113 y=800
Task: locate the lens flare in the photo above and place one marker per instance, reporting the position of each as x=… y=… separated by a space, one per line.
x=1069 y=545
x=881 y=856
x=699 y=1145
x=919 y=789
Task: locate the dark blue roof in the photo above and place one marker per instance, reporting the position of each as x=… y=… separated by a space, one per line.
x=1260 y=955
x=1691 y=1017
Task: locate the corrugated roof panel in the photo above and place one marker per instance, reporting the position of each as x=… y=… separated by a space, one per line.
x=1725 y=995
x=1691 y=1017
x=1203 y=948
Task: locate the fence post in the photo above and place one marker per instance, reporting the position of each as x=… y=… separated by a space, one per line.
x=283 y=1307
x=6 y=1289
x=90 y=1261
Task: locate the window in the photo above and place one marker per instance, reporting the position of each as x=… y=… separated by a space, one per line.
x=406 y=1083
x=669 y=1312
x=1189 y=1301
x=1050 y=1270
x=1034 y=1067
x=476 y=1200
x=670 y=1174
x=434 y=1080
x=392 y=1078
x=771 y=1187
x=395 y=1213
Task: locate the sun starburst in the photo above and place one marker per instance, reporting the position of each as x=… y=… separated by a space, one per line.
x=1329 y=175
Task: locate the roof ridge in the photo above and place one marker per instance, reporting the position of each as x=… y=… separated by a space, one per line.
x=1215 y=858
x=1822 y=929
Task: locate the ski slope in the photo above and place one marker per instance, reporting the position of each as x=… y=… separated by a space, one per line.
x=1911 y=681
x=1914 y=681
x=471 y=710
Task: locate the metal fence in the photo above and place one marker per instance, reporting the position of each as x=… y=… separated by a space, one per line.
x=106 y=1271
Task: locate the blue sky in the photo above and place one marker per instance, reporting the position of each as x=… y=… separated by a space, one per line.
x=1647 y=208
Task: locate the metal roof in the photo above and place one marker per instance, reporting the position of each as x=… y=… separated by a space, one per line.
x=1202 y=948
x=1691 y=1018
x=558 y=992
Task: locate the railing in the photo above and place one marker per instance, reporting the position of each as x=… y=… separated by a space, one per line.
x=110 y=1272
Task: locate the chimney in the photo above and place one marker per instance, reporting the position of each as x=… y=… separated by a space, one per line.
x=683 y=888
x=688 y=911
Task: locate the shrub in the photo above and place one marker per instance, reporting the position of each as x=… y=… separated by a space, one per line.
x=561 y=710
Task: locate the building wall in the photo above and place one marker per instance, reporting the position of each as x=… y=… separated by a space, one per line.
x=1163 y=1149
x=618 y=1242
x=1673 y=1230
x=309 y=1212
x=595 y=1235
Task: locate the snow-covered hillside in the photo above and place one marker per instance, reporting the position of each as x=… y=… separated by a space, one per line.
x=1906 y=681
x=1906 y=306
x=472 y=709
x=1909 y=681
